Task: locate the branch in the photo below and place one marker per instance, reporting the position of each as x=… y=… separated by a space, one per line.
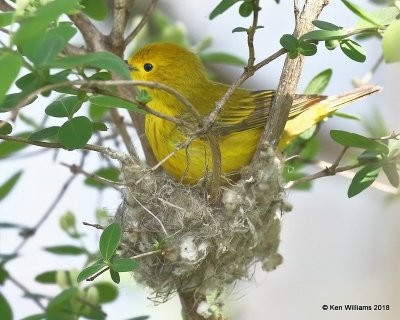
x=142 y=23
x=121 y=128
x=94 y=39
x=116 y=36
x=123 y=158
x=289 y=79
x=4 y=6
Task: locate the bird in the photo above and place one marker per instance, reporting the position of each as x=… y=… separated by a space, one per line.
x=238 y=127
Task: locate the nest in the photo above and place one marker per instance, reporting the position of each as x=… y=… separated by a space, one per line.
x=204 y=248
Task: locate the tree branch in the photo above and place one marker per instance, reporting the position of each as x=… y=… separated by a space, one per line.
x=4 y=6
x=142 y=23
x=94 y=39
x=116 y=37
x=289 y=79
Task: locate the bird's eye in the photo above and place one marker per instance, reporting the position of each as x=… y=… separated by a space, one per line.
x=148 y=67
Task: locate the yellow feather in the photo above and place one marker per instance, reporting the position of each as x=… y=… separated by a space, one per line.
x=238 y=127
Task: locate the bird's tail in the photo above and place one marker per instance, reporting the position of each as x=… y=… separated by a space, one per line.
x=319 y=111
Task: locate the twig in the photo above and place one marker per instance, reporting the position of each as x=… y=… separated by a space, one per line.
x=26 y=291
x=119 y=123
x=116 y=36
x=142 y=23
x=288 y=82
x=103 y=150
x=97 y=226
x=98 y=274
x=94 y=39
x=250 y=35
x=78 y=169
x=48 y=212
x=4 y=6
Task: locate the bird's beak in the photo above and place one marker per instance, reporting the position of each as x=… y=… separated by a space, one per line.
x=130 y=67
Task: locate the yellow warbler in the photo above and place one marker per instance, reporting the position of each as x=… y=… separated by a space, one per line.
x=238 y=127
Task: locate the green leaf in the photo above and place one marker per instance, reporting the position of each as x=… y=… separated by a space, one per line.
x=91 y=270
x=75 y=133
x=5 y=127
x=109 y=240
x=66 y=250
x=107 y=292
x=246 y=8
x=109 y=173
x=391 y=42
x=346 y=116
x=289 y=42
x=353 y=50
x=10 y=64
x=239 y=29
x=39 y=316
x=48 y=277
x=293 y=54
x=48 y=49
x=6 y=225
x=4 y=275
x=383 y=16
x=355 y=140
x=60 y=300
x=33 y=27
x=318 y=84
x=64 y=107
x=5 y=309
x=331 y=44
x=119 y=264
x=102 y=60
x=363 y=179
x=221 y=8
x=11 y=100
x=322 y=35
x=114 y=102
x=95 y=9
x=222 y=57
x=7 y=186
x=99 y=126
x=115 y=276
x=44 y=134
x=97 y=112
x=391 y=173
x=7 y=148
x=143 y=96
x=361 y=13
x=307 y=49
x=326 y=25
x=6 y=18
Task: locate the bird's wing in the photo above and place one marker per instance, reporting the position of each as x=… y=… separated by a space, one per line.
x=250 y=111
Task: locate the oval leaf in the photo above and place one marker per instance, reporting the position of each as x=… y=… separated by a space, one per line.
x=5 y=309
x=392 y=174
x=119 y=264
x=64 y=107
x=363 y=179
x=391 y=42
x=59 y=301
x=109 y=240
x=246 y=8
x=66 y=250
x=44 y=134
x=289 y=42
x=107 y=292
x=319 y=83
x=75 y=133
x=355 y=140
x=91 y=270
x=322 y=35
x=353 y=50
x=5 y=127
x=6 y=188
x=222 y=7
x=95 y=9
x=48 y=277
x=326 y=25
x=115 y=276
x=10 y=64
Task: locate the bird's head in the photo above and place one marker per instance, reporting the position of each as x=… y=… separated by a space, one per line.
x=169 y=64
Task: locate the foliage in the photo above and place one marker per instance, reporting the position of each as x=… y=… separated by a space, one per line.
x=40 y=61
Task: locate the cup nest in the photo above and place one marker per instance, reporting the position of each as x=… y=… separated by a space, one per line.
x=204 y=248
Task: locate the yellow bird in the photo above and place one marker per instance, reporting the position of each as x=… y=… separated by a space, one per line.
x=237 y=129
